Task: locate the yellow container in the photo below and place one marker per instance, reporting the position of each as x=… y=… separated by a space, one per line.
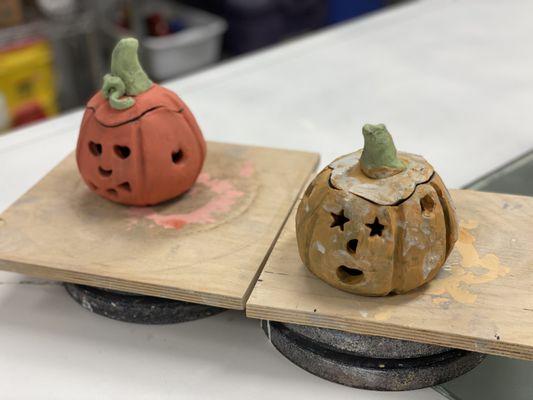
x=27 y=81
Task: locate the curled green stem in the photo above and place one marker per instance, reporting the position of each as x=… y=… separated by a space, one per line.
x=113 y=90
x=127 y=77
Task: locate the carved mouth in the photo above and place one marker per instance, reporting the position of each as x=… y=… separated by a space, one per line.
x=105 y=172
x=349 y=275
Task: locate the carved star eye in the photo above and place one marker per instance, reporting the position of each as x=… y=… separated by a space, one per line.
x=339 y=220
x=376 y=229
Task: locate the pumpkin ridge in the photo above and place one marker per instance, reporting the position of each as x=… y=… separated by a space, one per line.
x=202 y=148
x=140 y=194
x=84 y=122
x=300 y=219
x=398 y=276
x=447 y=217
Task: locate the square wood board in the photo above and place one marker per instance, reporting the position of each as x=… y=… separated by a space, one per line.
x=208 y=246
x=481 y=300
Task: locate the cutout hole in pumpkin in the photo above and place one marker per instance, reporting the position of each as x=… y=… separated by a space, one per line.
x=112 y=192
x=177 y=156
x=352 y=246
x=331 y=184
x=427 y=204
x=95 y=148
x=105 y=172
x=339 y=220
x=122 y=151
x=376 y=228
x=125 y=186
x=349 y=275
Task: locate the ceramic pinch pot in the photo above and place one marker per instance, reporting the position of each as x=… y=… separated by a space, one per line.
x=376 y=221
x=138 y=143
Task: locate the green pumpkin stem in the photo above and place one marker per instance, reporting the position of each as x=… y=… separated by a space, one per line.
x=379 y=159
x=127 y=77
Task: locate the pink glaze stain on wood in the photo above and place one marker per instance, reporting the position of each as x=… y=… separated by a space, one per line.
x=226 y=195
x=247 y=169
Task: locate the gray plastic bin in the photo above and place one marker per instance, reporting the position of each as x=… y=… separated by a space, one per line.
x=198 y=45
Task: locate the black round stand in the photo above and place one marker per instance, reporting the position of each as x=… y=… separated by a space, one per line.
x=137 y=308
x=368 y=362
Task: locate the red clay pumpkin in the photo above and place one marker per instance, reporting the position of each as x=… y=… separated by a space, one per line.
x=138 y=144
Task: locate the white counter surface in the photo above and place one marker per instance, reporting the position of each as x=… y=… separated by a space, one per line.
x=452 y=80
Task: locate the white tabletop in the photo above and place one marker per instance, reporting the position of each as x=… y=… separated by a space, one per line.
x=451 y=79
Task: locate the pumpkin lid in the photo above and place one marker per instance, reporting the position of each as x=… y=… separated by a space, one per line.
x=347 y=175
x=378 y=172
x=155 y=97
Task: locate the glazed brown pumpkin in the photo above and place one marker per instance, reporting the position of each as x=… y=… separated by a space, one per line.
x=140 y=147
x=374 y=236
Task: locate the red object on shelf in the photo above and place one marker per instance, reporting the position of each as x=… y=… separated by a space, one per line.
x=28 y=112
x=157 y=25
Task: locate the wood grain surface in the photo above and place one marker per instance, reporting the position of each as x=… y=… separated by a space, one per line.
x=482 y=299
x=208 y=246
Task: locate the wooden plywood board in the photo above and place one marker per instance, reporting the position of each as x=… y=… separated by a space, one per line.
x=207 y=247
x=482 y=299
